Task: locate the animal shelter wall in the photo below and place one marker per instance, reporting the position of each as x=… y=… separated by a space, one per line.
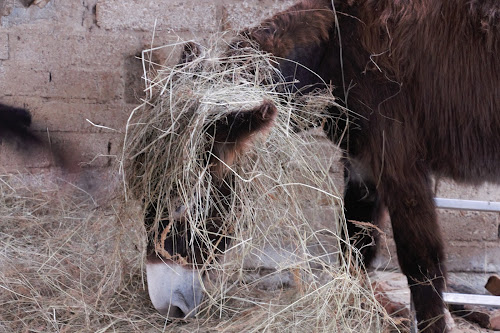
x=68 y=61
x=74 y=65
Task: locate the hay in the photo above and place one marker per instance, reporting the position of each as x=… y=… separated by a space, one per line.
x=275 y=182
x=67 y=265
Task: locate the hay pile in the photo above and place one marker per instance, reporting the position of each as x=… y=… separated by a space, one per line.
x=282 y=176
x=67 y=265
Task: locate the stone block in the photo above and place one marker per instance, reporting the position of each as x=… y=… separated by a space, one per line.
x=20 y=15
x=72 y=149
x=6 y=7
x=16 y=157
x=82 y=50
x=101 y=86
x=321 y=155
x=134 y=83
x=473 y=257
x=71 y=116
x=175 y=15
x=468 y=225
x=72 y=15
x=248 y=13
x=323 y=217
x=449 y=189
x=89 y=149
x=469 y=282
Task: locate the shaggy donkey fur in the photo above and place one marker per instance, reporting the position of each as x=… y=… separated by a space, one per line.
x=421 y=81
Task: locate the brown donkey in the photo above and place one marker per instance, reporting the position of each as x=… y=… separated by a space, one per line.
x=420 y=81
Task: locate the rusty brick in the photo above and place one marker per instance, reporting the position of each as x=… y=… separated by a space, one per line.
x=392 y=292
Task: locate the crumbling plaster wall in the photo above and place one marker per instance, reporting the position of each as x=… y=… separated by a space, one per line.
x=72 y=60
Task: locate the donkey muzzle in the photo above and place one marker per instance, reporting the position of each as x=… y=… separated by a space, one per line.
x=174 y=290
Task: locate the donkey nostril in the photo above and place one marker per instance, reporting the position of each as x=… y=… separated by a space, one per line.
x=173 y=312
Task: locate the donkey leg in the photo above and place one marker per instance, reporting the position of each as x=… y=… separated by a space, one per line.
x=419 y=246
x=361 y=204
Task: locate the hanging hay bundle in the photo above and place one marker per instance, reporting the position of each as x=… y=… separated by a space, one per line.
x=279 y=185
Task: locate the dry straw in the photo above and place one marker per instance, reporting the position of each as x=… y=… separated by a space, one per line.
x=280 y=185
x=67 y=265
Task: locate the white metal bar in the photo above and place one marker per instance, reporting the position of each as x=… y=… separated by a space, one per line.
x=484 y=206
x=453 y=298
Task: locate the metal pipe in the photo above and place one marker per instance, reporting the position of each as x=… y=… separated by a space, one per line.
x=481 y=206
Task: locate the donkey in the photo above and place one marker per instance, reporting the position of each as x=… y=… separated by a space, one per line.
x=420 y=81
x=174 y=289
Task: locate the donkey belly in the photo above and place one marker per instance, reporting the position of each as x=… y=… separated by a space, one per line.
x=472 y=161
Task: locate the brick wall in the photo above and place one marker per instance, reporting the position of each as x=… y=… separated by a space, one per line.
x=72 y=60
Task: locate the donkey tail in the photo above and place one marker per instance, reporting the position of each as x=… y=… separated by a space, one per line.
x=14 y=125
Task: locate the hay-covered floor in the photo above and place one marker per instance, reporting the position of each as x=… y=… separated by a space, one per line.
x=70 y=264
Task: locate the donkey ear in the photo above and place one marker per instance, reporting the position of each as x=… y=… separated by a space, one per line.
x=236 y=131
x=190 y=52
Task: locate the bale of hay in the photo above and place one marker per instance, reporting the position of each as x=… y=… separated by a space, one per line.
x=275 y=181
